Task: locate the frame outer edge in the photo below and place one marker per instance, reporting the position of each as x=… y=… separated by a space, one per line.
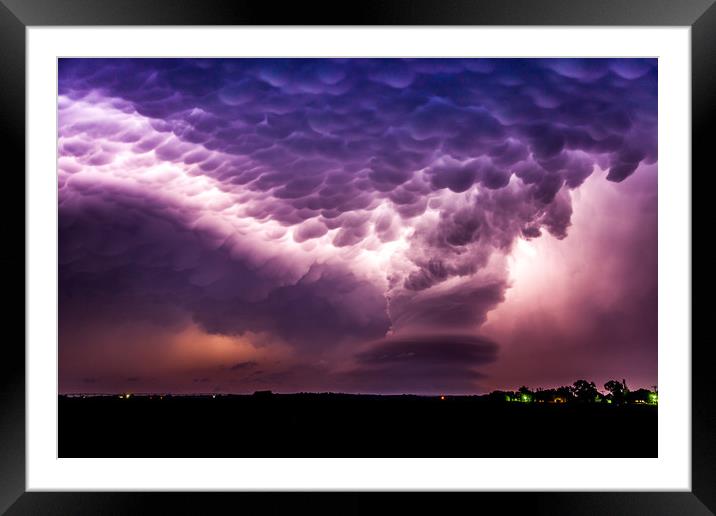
x=703 y=112
x=700 y=13
x=191 y=503
x=12 y=258
x=365 y=12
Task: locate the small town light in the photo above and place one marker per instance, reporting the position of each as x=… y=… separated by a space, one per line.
x=442 y=397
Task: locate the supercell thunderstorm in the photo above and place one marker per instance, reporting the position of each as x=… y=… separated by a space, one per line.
x=355 y=213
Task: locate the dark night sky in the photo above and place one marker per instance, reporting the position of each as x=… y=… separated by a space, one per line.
x=361 y=225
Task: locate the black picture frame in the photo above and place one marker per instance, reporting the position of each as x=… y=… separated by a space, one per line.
x=17 y=15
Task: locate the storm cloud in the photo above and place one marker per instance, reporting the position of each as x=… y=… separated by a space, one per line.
x=422 y=363
x=325 y=203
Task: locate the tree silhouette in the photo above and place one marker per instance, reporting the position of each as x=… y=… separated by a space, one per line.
x=581 y=391
x=525 y=394
x=565 y=394
x=584 y=391
x=639 y=396
x=618 y=390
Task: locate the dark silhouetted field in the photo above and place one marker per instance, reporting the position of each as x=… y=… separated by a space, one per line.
x=334 y=425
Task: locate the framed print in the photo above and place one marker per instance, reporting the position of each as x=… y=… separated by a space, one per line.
x=405 y=249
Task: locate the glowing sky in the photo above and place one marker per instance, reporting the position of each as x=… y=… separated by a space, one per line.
x=362 y=225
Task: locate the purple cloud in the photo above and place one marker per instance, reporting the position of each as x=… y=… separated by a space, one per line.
x=327 y=203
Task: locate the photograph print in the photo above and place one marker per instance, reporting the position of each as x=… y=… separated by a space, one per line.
x=359 y=257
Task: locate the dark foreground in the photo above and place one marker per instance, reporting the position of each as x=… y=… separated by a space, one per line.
x=325 y=425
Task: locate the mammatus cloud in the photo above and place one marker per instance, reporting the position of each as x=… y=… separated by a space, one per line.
x=328 y=203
